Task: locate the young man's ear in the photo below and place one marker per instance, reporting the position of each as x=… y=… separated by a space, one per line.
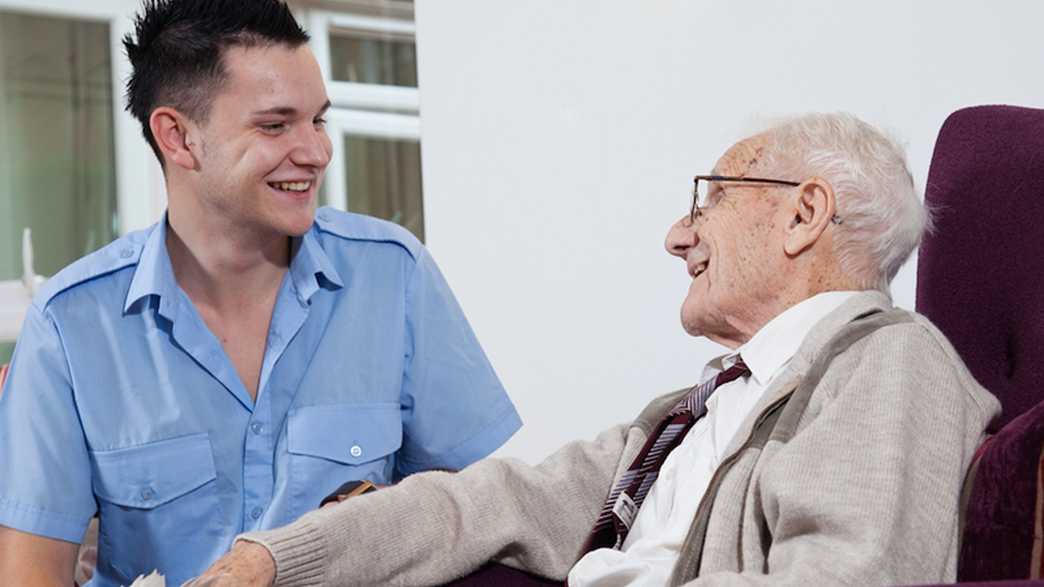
x=812 y=212
x=171 y=130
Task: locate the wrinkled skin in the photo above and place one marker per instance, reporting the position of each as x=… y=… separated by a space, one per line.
x=740 y=242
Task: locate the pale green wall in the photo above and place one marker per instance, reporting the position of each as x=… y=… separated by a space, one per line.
x=57 y=173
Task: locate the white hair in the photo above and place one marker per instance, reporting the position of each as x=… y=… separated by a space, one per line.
x=882 y=218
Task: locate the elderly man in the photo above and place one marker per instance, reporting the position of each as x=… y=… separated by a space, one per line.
x=827 y=447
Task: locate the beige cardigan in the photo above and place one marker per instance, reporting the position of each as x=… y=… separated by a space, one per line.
x=865 y=492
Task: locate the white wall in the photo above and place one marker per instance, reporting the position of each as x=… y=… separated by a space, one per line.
x=560 y=137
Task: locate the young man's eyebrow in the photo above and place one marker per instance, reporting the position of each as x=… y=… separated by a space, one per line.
x=280 y=110
x=288 y=110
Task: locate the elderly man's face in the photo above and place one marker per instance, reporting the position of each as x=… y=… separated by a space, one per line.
x=733 y=251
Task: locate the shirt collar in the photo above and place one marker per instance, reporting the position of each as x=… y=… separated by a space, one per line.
x=772 y=347
x=310 y=262
x=155 y=275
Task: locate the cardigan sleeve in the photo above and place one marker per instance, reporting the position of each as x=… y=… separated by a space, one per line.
x=436 y=526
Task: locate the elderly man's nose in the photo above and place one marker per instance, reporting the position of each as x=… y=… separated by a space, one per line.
x=681 y=237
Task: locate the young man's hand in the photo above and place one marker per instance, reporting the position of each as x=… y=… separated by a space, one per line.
x=246 y=565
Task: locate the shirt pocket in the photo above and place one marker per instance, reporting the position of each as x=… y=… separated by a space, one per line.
x=332 y=444
x=158 y=507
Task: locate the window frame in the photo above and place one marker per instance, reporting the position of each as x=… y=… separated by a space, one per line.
x=363 y=110
x=357 y=109
x=135 y=165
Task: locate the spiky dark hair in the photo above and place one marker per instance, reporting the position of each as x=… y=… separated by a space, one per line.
x=177 y=48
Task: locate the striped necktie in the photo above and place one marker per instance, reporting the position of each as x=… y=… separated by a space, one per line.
x=621 y=507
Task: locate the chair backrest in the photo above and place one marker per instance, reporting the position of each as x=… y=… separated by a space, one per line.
x=980 y=274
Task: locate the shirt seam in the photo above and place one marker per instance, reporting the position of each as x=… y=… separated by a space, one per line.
x=69 y=378
x=43 y=304
x=388 y=240
x=407 y=315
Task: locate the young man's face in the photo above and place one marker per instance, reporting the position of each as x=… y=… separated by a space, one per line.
x=264 y=145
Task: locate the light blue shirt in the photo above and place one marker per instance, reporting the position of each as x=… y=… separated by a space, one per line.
x=121 y=401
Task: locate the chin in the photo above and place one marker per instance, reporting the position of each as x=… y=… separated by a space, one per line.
x=291 y=223
x=299 y=227
x=297 y=220
x=701 y=316
x=690 y=321
x=693 y=330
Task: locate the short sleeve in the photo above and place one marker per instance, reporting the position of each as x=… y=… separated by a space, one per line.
x=455 y=410
x=45 y=475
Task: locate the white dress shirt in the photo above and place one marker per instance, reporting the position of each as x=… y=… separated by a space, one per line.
x=652 y=546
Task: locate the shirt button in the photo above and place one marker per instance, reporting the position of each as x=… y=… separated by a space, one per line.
x=256 y=513
x=147 y=494
x=356 y=451
x=126 y=253
x=256 y=427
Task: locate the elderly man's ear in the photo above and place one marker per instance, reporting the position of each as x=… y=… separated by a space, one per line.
x=810 y=214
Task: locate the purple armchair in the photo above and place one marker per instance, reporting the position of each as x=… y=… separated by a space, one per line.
x=980 y=278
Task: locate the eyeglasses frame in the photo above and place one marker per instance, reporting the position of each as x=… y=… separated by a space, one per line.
x=695 y=212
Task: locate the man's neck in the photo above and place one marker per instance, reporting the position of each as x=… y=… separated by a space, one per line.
x=797 y=288
x=222 y=266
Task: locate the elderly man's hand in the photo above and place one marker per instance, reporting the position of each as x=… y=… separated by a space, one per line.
x=246 y=565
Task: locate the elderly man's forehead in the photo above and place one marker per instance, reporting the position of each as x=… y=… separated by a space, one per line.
x=742 y=157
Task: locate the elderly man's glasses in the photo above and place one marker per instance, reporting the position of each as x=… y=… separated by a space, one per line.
x=700 y=199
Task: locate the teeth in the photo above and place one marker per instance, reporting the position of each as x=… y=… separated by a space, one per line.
x=293 y=186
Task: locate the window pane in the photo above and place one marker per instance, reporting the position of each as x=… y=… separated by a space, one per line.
x=370 y=59
x=57 y=170
x=384 y=180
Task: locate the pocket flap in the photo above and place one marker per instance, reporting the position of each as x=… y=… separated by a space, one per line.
x=152 y=474
x=346 y=433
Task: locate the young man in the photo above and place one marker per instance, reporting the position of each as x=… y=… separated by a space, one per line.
x=227 y=368
x=826 y=448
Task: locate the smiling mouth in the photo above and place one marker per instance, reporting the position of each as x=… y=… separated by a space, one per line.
x=697 y=269
x=291 y=186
